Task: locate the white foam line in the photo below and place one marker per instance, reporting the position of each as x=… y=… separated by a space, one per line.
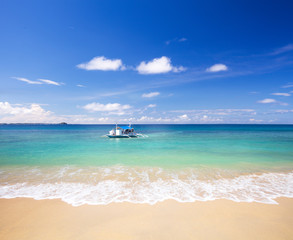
x=264 y=188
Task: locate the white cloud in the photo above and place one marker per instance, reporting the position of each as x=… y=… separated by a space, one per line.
x=217 y=68
x=79 y=85
x=114 y=108
x=284 y=111
x=204 y=118
x=282 y=94
x=40 y=81
x=227 y=112
x=49 y=82
x=184 y=117
x=150 y=95
x=255 y=120
x=207 y=119
x=157 y=66
x=179 y=69
x=103 y=64
x=85 y=119
x=267 y=100
x=33 y=113
x=270 y=100
x=147 y=119
x=27 y=80
x=7 y=108
x=103 y=120
x=118 y=113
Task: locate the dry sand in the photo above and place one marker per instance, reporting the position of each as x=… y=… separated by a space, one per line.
x=221 y=219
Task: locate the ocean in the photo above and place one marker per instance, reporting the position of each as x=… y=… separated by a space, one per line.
x=186 y=163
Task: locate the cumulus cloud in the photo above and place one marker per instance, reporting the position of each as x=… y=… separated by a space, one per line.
x=150 y=95
x=157 y=66
x=40 y=81
x=7 y=108
x=282 y=94
x=113 y=108
x=103 y=64
x=217 y=68
x=33 y=113
x=184 y=117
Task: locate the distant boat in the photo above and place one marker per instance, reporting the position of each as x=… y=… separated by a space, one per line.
x=122 y=132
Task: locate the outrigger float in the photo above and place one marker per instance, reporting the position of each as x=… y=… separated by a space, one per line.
x=123 y=132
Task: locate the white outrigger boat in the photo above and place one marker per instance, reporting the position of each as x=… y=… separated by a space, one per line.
x=122 y=132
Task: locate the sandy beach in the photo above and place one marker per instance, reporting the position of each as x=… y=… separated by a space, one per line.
x=221 y=219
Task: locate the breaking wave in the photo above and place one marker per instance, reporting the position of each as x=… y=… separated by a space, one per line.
x=104 y=185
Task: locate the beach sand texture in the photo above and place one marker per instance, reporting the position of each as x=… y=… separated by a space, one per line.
x=221 y=219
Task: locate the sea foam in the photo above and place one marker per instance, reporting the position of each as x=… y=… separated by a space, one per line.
x=104 y=185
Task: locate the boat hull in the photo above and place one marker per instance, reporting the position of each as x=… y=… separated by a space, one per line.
x=133 y=136
x=118 y=136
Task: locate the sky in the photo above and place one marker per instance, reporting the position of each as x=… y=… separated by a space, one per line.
x=96 y=62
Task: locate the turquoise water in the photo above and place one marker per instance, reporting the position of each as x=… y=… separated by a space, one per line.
x=168 y=157
x=165 y=145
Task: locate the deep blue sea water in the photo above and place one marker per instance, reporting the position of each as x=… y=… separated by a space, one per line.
x=78 y=164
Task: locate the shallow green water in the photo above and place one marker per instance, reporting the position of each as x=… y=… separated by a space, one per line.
x=165 y=145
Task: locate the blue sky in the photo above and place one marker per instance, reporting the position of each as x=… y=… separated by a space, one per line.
x=146 y=61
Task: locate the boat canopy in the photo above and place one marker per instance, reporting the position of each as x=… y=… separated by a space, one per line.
x=126 y=127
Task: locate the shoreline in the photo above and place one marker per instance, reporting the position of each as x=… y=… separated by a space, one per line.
x=23 y=218
x=104 y=185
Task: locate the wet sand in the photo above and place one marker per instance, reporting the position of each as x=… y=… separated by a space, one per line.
x=221 y=219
